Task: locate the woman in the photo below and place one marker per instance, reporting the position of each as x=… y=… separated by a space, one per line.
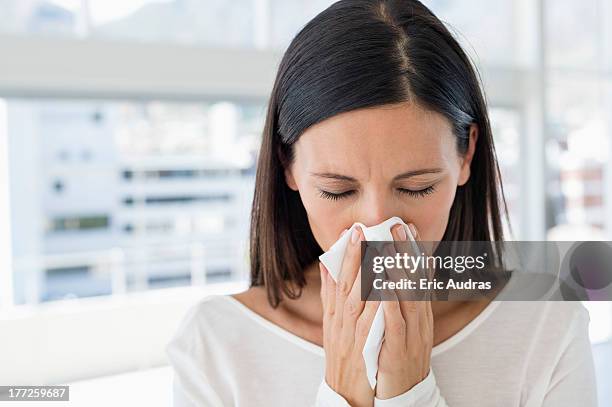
x=375 y=112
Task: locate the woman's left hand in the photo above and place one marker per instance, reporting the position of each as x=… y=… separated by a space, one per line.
x=405 y=355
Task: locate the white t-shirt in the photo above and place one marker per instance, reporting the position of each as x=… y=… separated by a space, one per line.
x=512 y=354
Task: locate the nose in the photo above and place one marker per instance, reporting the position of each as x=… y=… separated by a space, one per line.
x=375 y=208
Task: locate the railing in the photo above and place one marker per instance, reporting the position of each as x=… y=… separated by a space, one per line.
x=129 y=269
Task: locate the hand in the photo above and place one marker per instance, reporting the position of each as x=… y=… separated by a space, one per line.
x=405 y=356
x=346 y=322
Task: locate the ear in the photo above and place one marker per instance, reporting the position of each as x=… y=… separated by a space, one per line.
x=290 y=179
x=464 y=174
x=287 y=166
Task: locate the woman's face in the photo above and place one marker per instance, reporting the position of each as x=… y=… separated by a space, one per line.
x=368 y=165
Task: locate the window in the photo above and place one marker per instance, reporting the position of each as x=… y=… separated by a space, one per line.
x=82 y=223
x=159 y=202
x=206 y=22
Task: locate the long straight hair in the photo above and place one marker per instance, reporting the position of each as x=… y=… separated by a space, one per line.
x=358 y=54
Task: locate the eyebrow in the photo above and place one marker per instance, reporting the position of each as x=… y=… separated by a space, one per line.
x=403 y=175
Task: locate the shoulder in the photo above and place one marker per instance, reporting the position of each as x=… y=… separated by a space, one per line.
x=567 y=321
x=208 y=318
x=561 y=314
x=220 y=319
x=542 y=335
x=205 y=311
x=544 y=325
x=198 y=348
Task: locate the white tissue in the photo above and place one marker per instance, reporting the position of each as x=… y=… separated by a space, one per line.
x=332 y=260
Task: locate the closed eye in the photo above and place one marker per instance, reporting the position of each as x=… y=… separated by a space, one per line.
x=334 y=197
x=418 y=193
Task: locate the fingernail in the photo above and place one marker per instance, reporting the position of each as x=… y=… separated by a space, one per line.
x=413 y=230
x=355 y=236
x=402 y=232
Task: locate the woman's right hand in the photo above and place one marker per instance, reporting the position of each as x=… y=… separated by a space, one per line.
x=346 y=322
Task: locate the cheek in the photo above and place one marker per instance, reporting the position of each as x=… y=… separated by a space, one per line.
x=431 y=217
x=323 y=217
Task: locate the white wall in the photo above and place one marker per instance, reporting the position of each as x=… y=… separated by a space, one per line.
x=64 y=341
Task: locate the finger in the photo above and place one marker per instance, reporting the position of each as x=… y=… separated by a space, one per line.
x=395 y=326
x=395 y=274
x=413 y=238
x=354 y=304
x=410 y=308
x=364 y=323
x=323 y=290
x=348 y=272
x=426 y=333
x=427 y=271
x=411 y=315
x=353 y=307
x=413 y=231
x=423 y=323
x=429 y=315
x=367 y=275
x=325 y=302
x=399 y=234
x=383 y=250
x=430 y=321
x=416 y=243
x=330 y=293
x=328 y=286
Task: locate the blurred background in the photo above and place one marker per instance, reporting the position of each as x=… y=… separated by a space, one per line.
x=129 y=132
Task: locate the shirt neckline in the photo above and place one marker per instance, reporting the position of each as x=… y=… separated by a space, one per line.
x=319 y=350
x=298 y=340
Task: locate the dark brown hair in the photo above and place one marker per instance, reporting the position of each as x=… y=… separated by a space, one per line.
x=357 y=54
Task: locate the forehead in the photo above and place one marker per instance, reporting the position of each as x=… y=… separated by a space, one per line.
x=390 y=135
